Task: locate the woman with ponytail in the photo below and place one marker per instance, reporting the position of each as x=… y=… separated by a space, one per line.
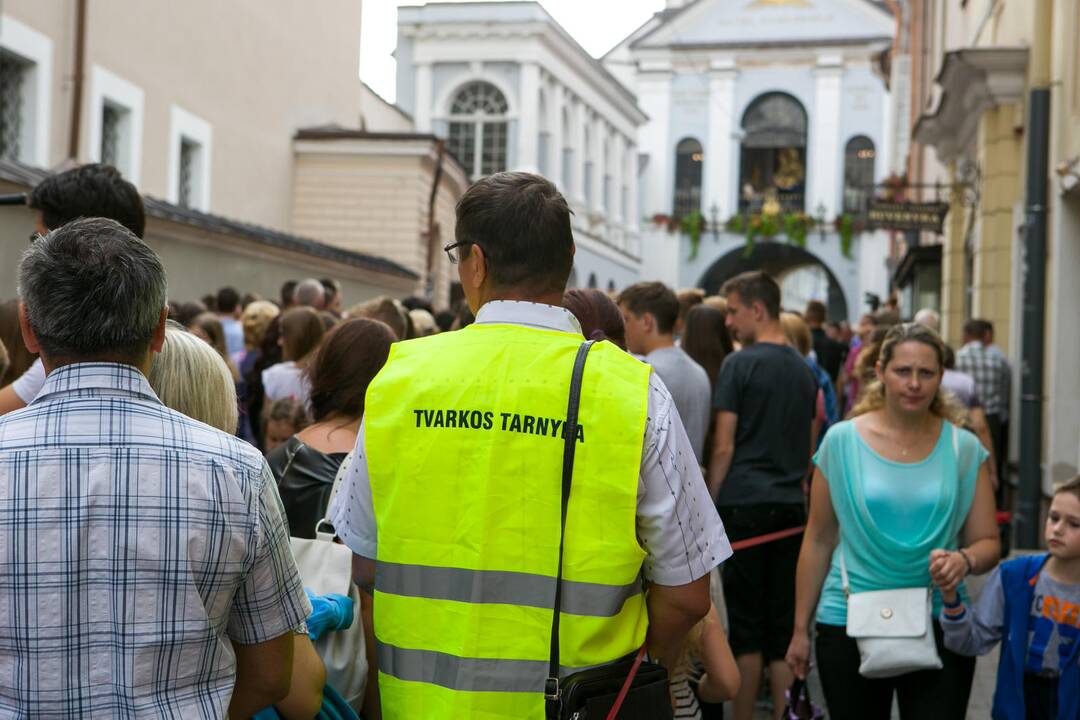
x=902 y=494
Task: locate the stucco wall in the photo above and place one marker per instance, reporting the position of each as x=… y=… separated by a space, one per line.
x=255 y=76
x=378 y=204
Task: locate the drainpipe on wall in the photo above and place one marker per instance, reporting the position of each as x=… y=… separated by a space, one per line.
x=77 y=80
x=1033 y=317
x=433 y=226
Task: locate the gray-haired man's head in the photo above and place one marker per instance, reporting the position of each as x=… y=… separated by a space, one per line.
x=310 y=292
x=91 y=290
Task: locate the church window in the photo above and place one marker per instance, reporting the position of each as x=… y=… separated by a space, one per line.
x=772 y=162
x=858 y=174
x=478 y=128
x=688 y=160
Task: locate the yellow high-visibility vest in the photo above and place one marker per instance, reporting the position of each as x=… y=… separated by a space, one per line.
x=463 y=434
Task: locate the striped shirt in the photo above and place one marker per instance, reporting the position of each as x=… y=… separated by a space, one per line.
x=135 y=543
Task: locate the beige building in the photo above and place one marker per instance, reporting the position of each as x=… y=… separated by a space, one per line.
x=970 y=69
x=383 y=187
x=198 y=104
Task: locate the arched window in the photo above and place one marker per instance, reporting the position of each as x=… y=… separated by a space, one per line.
x=567 y=154
x=859 y=157
x=688 y=161
x=478 y=128
x=772 y=163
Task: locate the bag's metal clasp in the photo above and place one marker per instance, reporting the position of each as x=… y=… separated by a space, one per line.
x=551 y=688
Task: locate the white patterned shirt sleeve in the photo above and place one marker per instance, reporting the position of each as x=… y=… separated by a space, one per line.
x=677 y=523
x=351 y=511
x=29 y=384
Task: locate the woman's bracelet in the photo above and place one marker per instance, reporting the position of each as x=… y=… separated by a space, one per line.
x=967 y=561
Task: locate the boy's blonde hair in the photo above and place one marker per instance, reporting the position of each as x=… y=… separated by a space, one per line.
x=1069 y=486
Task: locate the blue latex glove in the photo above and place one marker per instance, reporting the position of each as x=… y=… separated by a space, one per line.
x=328 y=613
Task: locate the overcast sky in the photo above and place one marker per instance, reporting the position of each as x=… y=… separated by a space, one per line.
x=597 y=24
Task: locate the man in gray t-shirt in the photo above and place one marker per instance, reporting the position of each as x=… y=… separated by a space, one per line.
x=649 y=312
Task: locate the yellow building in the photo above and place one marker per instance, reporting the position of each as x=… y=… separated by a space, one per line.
x=975 y=72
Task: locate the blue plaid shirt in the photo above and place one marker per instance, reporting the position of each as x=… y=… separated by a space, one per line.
x=135 y=543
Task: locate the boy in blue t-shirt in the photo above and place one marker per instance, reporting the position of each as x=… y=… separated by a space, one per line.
x=1032 y=605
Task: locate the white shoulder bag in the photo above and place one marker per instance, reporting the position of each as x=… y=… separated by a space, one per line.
x=893 y=628
x=326 y=567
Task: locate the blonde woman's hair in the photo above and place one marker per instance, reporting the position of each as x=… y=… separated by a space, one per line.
x=190 y=377
x=873 y=397
x=797 y=332
x=255 y=319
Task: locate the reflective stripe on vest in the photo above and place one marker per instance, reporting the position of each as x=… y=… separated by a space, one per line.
x=464 y=449
x=500 y=586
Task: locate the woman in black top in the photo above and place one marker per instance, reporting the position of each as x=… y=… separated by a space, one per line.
x=305 y=466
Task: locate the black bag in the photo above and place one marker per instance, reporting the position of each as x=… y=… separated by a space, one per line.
x=593 y=694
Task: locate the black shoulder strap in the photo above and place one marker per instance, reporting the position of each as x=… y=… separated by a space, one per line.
x=551 y=687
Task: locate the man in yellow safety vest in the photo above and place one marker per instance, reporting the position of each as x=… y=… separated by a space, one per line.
x=452 y=501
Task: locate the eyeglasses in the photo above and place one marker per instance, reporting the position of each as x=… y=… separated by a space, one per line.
x=452 y=256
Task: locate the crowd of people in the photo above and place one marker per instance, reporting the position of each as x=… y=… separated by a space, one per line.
x=160 y=461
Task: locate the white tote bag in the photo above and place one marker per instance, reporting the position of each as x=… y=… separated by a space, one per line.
x=326 y=567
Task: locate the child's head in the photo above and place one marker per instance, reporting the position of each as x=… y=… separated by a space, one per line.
x=287 y=417
x=1063 y=521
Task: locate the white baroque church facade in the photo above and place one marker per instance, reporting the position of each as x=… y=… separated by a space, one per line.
x=712 y=113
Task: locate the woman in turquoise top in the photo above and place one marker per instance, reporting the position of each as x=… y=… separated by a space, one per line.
x=894 y=488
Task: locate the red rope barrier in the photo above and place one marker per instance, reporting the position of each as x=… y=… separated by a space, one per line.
x=771 y=537
x=1003 y=518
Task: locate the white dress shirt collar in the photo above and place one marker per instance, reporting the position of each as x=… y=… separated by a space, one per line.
x=529 y=314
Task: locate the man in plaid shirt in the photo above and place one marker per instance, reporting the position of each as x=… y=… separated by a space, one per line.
x=144 y=558
x=985 y=362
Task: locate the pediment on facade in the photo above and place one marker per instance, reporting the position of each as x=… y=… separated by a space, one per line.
x=743 y=23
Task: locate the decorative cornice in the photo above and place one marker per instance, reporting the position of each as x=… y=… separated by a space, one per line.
x=972 y=81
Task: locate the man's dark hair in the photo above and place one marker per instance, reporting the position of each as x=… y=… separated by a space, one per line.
x=755 y=286
x=418 y=303
x=332 y=288
x=977 y=328
x=815 y=312
x=227 y=300
x=89 y=191
x=522 y=223
x=92 y=268
x=444 y=319
x=287 y=290
x=655 y=298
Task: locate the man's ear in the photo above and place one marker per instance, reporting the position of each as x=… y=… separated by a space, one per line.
x=157 y=340
x=648 y=320
x=478 y=270
x=28 y=336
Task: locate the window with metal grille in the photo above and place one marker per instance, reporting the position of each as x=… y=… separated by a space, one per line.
x=858 y=174
x=688 y=163
x=588 y=179
x=478 y=129
x=112 y=118
x=567 y=155
x=189 y=157
x=13 y=72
